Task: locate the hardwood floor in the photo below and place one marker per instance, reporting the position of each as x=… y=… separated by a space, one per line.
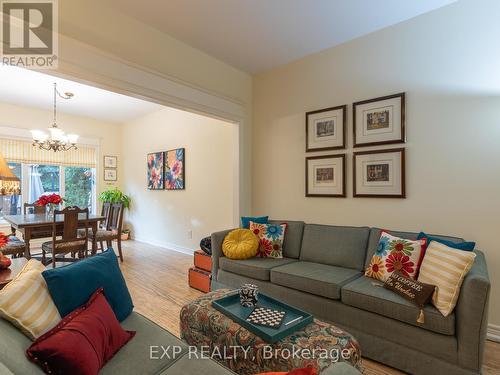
x=157 y=279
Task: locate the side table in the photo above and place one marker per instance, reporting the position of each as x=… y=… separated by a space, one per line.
x=7 y=275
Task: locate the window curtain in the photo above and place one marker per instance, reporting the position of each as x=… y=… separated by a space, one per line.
x=19 y=151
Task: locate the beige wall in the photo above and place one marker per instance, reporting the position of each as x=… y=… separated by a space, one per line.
x=447 y=63
x=106 y=133
x=163 y=217
x=95 y=23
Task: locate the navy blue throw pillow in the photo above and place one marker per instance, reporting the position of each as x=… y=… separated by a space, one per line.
x=245 y=220
x=71 y=286
x=466 y=246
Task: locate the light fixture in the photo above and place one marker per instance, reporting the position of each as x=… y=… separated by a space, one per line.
x=56 y=140
x=9 y=183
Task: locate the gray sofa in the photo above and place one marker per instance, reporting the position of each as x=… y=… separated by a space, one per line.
x=322 y=273
x=133 y=358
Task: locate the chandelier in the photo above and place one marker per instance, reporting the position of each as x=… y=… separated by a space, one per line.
x=55 y=140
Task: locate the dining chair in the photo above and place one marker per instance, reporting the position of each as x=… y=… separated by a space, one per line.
x=14 y=247
x=106 y=208
x=113 y=229
x=32 y=208
x=72 y=240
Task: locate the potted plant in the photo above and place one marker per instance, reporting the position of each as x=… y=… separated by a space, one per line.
x=116 y=196
x=125 y=234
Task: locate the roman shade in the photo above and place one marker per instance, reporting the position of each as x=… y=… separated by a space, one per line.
x=19 y=151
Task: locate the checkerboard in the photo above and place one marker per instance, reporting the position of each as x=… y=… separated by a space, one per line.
x=266 y=317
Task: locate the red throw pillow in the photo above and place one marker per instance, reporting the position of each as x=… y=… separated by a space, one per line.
x=82 y=342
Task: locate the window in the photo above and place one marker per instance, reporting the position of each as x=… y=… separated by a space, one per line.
x=78 y=186
x=11 y=205
x=75 y=184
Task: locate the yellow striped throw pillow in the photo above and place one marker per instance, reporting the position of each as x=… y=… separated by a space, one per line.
x=445 y=268
x=26 y=302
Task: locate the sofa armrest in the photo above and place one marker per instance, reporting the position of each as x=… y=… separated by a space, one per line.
x=217 y=240
x=472 y=314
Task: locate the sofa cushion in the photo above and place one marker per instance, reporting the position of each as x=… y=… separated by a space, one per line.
x=368 y=294
x=320 y=279
x=133 y=358
x=375 y=236
x=194 y=365
x=293 y=237
x=13 y=345
x=257 y=268
x=335 y=245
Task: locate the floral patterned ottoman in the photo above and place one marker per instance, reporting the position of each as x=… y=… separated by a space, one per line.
x=318 y=345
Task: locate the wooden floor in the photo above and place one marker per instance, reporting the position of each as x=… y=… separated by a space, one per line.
x=157 y=279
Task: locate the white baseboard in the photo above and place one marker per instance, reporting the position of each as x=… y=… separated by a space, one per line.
x=166 y=245
x=493 y=332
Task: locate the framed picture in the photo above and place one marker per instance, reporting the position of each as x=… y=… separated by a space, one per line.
x=379 y=121
x=326 y=129
x=110 y=161
x=325 y=176
x=379 y=173
x=175 y=169
x=155 y=168
x=110 y=175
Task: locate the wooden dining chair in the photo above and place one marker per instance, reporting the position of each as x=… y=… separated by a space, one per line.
x=113 y=229
x=14 y=247
x=106 y=208
x=72 y=241
x=32 y=208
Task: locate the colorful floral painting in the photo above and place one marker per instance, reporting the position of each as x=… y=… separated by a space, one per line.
x=156 y=171
x=175 y=169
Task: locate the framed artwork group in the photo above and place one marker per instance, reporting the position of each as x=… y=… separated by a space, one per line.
x=376 y=173
x=166 y=170
x=110 y=168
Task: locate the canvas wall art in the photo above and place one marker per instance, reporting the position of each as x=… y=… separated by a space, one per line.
x=326 y=129
x=155 y=168
x=379 y=121
x=175 y=169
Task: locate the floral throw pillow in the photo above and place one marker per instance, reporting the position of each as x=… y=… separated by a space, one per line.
x=271 y=238
x=395 y=254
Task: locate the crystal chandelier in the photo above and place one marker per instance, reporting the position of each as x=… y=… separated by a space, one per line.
x=56 y=140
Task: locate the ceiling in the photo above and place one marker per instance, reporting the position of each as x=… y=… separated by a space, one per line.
x=257 y=35
x=33 y=89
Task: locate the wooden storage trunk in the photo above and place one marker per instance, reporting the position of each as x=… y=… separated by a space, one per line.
x=202 y=260
x=199 y=279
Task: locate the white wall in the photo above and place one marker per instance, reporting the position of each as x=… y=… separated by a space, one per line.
x=164 y=217
x=447 y=62
x=107 y=134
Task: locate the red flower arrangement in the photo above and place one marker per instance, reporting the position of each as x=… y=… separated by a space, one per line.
x=3 y=239
x=5 y=262
x=49 y=199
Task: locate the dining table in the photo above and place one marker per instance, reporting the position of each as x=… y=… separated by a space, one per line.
x=36 y=226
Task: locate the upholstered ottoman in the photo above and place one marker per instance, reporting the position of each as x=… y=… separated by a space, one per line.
x=318 y=345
